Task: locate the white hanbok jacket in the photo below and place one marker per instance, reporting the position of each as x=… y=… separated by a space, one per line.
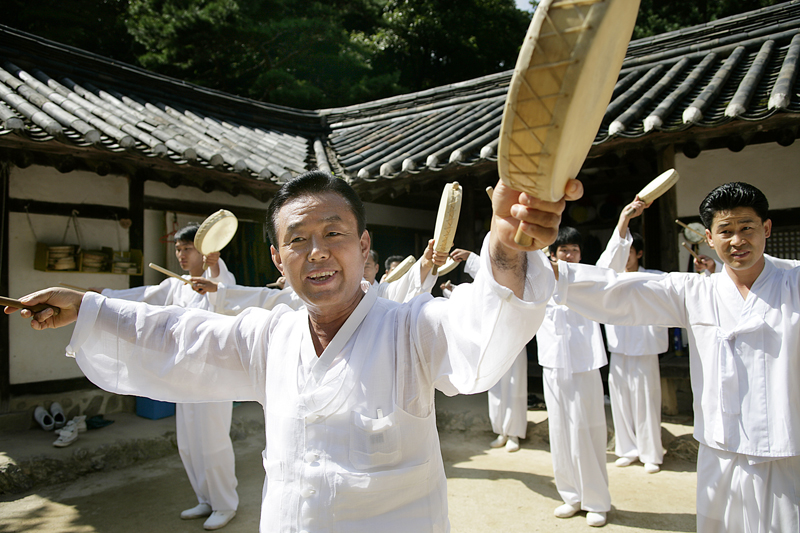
x=570 y=341
x=351 y=435
x=630 y=340
x=745 y=353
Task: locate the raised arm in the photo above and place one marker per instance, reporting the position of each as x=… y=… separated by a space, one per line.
x=537 y=219
x=628 y=299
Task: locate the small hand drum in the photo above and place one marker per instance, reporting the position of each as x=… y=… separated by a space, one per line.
x=447 y=219
x=401 y=269
x=216 y=232
x=448 y=266
x=661 y=184
x=561 y=86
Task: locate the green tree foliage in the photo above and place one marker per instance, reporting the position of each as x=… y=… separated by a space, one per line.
x=315 y=53
x=434 y=42
x=94 y=25
x=281 y=51
x=660 y=16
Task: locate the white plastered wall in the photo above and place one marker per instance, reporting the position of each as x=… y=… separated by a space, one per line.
x=771 y=167
x=39 y=356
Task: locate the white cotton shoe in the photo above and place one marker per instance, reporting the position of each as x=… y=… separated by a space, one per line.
x=595 y=519
x=566 y=510
x=43 y=418
x=499 y=441
x=201 y=510
x=512 y=445
x=66 y=436
x=651 y=468
x=624 y=461
x=59 y=419
x=218 y=519
x=80 y=422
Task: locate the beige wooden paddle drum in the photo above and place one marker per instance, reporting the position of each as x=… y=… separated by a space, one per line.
x=561 y=86
x=401 y=269
x=447 y=219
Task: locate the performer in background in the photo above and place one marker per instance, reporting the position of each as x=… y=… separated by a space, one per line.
x=203 y=429
x=508 y=399
x=744 y=338
x=348 y=382
x=634 y=379
x=571 y=353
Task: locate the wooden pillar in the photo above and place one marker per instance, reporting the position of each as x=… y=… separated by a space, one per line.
x=660 y=230
x=136 y=231
x=465 y=235
x=5 y=358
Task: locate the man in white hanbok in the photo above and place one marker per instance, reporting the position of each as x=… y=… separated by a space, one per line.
x=571 y=353
x=202 y=429
x=508 y=399
x=744 y=338
x=634 y=380
x=348 y=382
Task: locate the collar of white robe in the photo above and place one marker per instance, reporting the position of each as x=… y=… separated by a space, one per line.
x=339 y=340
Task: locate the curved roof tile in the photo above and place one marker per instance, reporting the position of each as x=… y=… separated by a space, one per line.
x=742 y=68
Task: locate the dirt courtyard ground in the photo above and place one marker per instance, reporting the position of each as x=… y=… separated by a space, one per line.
x=488 y=490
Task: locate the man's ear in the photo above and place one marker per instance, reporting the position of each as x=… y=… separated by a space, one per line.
x=366 y=243
x=276 y=258
x=767 y=228
x=709 y=241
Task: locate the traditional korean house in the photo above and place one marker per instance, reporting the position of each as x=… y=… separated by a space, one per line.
x=113 y=158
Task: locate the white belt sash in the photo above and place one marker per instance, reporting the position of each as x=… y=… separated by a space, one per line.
x=729 y=400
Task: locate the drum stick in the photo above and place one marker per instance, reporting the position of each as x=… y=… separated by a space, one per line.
x=678 y=222
x=75 y=287
x=694 y=254
x=168 y=273
x=10 y=302
x=274 y=285
x=490 y=192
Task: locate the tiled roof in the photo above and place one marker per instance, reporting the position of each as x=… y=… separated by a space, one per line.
x=741 y=68
x=705 y=80
x=50 y=92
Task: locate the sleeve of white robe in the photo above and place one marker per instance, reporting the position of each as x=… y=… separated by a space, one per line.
x=615 y=256
x=627 y=299
x=232 y=300
x=472 y=265
x=172 y=354
x=467 y=342
x=409 y=285
x=161 y=294
x=783 y=264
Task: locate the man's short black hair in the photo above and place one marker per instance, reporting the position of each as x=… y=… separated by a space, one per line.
x=730 y=196
x=375 y=257
x=392 y=259
x=313 y=182
x=187 y=233
x=566 y=235
x=638 y=242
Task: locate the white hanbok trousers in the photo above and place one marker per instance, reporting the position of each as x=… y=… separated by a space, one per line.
x=205 y=447
x=577 y=422
x=634 y=385
x=508 y=400
x=734 y=496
